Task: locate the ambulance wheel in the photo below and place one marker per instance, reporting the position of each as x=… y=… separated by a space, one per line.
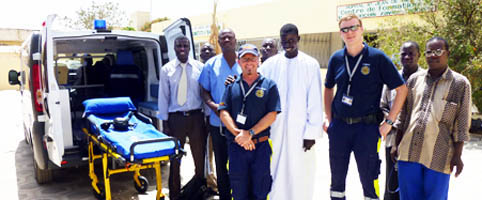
x=101 y=195
x=144 y=185
x=41 y=175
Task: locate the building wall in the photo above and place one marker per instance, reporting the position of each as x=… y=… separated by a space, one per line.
x=9 y=59
x=316 y=20
x=10 y=41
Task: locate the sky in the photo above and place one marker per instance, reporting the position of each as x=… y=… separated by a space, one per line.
x=29 y=14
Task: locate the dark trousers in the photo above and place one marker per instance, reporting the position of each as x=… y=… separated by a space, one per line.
x=363 y=139
x=249 y=171
x=391 y=184
x=220 y=147
x=191 y=126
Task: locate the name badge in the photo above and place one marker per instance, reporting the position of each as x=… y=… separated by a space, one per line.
x=347 y=100
x=241 y=119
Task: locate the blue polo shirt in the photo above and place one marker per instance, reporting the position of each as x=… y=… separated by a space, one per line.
x=212 y=78
x=374 y=70
x=262 y=100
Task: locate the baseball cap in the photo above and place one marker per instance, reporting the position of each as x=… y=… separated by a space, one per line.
x=247 y=48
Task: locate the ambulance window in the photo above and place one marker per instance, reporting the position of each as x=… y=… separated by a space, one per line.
x=156 y=62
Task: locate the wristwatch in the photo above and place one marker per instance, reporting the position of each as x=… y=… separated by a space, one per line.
x=251 y=132
x=389 y=122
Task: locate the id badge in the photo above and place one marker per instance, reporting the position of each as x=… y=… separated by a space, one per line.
x=241 y=119
x=347 y=100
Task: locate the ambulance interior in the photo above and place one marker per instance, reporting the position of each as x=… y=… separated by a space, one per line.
x=107 y=66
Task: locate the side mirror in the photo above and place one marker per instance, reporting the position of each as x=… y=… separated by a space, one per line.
x=13 y=77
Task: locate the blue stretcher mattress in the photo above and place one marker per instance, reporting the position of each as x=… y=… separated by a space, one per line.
x=101 y=110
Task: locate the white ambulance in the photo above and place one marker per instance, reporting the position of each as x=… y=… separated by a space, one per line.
x=60 y=69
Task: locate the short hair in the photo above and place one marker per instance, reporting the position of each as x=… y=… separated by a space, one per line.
x=413 y=43
x=348 y=17
x=181 y=37
x=289 y=29
x=446 y=44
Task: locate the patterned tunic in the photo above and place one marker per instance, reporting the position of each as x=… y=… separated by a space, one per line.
x=435 y=115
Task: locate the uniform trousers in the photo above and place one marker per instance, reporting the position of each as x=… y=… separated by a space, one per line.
x=364 y=140
x=249 y=171
x=192 y=126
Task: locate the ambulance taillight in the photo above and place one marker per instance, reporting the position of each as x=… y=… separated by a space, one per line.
x=37 y=86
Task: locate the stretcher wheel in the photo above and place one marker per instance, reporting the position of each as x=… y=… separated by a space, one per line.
x=101 y=195
x=144 y=185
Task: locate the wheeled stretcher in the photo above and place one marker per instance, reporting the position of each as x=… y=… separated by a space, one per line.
x=114 y=128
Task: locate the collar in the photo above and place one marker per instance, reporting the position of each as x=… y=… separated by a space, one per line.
x=447 y=75
x=365 y=49
x=188 y=62
x=240 y=78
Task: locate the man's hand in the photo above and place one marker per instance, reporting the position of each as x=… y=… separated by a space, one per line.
x=230 y=79
x=244 y=140
x=326 y=124
x=384 y=129
x=456 y=162
x=307 y=144
x=394 y=153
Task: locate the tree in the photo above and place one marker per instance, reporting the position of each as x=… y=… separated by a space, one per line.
x=147 y=26
x=458 y=21
x=109 y=11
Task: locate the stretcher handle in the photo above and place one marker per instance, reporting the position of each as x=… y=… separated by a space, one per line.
x=175 y=140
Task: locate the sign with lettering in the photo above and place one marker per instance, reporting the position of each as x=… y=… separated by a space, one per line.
x=384 y=8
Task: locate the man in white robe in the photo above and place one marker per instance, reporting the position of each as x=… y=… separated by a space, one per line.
x=300 y=122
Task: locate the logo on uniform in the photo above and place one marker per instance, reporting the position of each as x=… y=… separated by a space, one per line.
x=222 y=103
x=260 y=93
x=365 y=70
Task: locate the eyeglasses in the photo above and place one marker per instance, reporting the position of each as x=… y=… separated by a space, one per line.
x=352 y=28
x=436 y=52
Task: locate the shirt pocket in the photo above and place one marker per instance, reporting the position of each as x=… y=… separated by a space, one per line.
x=445 y=111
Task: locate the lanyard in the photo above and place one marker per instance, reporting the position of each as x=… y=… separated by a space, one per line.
x=351 y=73
x=245 y=95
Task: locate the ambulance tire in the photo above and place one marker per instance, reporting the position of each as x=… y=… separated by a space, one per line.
x=144 y=185
x=42 y=176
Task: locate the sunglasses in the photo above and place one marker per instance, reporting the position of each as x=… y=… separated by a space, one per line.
x=352 y=28
x=436 y=52
x=252 y=59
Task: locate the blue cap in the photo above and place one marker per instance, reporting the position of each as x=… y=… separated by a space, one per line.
x=247 y=48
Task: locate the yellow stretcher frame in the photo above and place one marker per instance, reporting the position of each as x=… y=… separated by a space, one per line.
x=129 y=167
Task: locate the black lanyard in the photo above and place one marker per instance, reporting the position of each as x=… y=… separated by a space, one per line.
x=245 y=95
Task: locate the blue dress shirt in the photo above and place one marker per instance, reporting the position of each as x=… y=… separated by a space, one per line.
x=169 y=78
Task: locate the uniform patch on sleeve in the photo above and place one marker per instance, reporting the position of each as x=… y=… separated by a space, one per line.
x=222 y=104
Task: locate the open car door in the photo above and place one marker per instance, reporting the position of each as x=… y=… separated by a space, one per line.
x=179 y=27
x=58 y=128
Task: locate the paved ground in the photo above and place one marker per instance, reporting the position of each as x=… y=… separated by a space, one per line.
x=74 y=184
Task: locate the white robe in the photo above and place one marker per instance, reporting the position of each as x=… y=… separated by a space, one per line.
x=299 y=84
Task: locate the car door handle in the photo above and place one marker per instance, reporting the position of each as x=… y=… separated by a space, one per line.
x=57 y=102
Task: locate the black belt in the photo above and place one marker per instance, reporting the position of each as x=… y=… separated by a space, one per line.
x=187 y=113
x=368 y=119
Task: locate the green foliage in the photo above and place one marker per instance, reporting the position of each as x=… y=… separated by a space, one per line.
x=147 y=26
x=458 y=21
x=128 y=28
x=108 y=11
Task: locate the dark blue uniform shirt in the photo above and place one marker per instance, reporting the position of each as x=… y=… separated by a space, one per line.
x=262 y=100
x=374 y=70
